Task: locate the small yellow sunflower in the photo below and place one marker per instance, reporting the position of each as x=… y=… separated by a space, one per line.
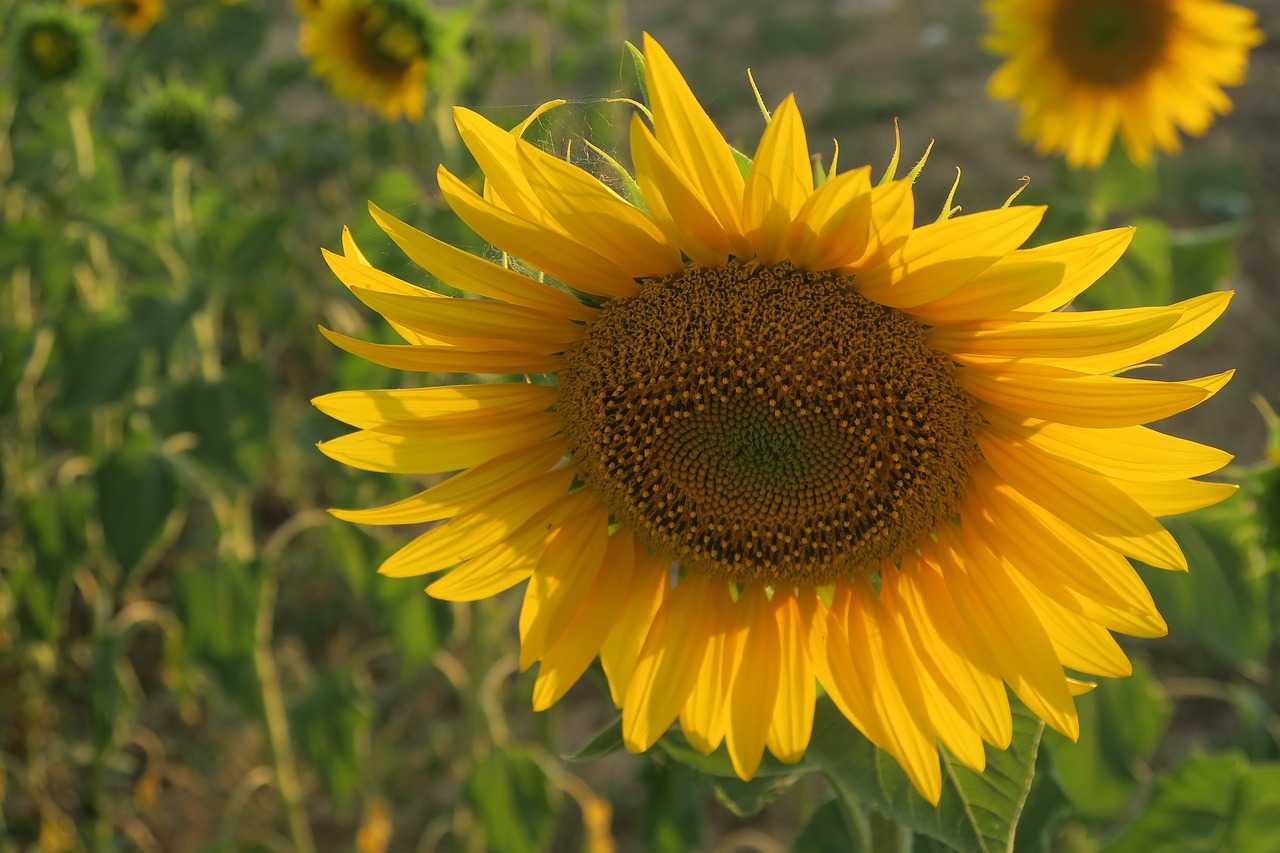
x=768 y=436
x=1083 y=70
x=133 y=16
x=373 y=51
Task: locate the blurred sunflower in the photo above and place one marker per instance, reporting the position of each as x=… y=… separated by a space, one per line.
x=373 y=51
x=51 y=42
x=772 y=435
x=133 y=16
x=1083 y=70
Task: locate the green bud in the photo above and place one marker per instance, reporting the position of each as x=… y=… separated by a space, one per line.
x=176 y=117
x=53 y=42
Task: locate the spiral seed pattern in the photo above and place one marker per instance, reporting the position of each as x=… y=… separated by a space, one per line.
x=767 y=425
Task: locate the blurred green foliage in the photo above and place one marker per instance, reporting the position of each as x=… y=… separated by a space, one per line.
x=193 y=659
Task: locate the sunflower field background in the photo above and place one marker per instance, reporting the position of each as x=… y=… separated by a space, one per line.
x=194 y=656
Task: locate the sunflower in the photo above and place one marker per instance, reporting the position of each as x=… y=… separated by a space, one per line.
x=1083 y=70
x=133 y=16
x=51 y=43
x=767 y=436
x=374 y=51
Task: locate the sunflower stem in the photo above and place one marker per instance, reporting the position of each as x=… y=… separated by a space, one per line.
x=855 y=818
x=277 y=722
x=82 y=138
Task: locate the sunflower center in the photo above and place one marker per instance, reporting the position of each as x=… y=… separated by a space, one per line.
x=51 y=49
x=767 y=425
x=394 y=35
x=1109 y=43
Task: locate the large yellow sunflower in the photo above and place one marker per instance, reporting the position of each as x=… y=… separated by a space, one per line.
x=373 y=51
x=769 y=436
x=1083 y=70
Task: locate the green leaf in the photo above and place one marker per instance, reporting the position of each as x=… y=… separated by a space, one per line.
x=218 y=605
x=329 y=725
x=1120 y=726
x=410 y=617
x=1221 y=604
x=1047 y=805
x=672 y=814
x=977 y=812
x=1204 y=258
x=251 y=243
x=231 y=418
x=637 y=58
x=1210 y=803
x=715 y=773
x=137 y=492
x=605 y=743
x=99 y=366
x=827 y=831
x=1120 y=184
x=511 y=795
x=1142 y=276
x=16 y=346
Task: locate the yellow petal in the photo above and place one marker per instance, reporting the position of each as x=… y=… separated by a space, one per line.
x=1040 y=279
x=792 y=723
x=596 y=215
x=1056 y=336
x=355 y=272
x=830 y=649
x=350 y=249
x=1078 y=687
x=632 y=618
x=495 y=151
x=465 y=491
x=755 y=680
x=465 y=271
x=444 y=444
x=893 y=212
x=1079 y=399
x=495 y=569
x=1108 y=245
x=568 y=657
x=911 y=742
x=676 y=206
x=1129 y=453
x=1176 y=496
x=1064 y=563
x=464 y=536
x=561 y=579
x=949 y=651
x=475 y=322
x=504 y=560
x=1080 y=644
x=1086 y=501
x=373 y=408
x=831 y=229
x=999 y=616
x=1197 y=314
x=669 y=661
x=705 y=715
x=447 y=359
x=936 y=704
x=780 y=180
x=693 y=143
x=936 y=259
x=558 y=255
